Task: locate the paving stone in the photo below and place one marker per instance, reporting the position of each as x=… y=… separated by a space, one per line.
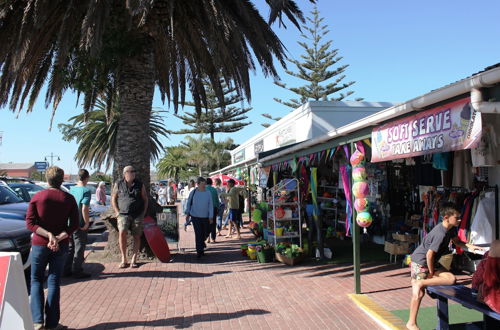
x=224 y=290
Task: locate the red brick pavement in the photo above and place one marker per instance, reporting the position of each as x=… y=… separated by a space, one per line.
x=224 y=290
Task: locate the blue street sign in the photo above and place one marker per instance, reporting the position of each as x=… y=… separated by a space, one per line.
x=41 y=166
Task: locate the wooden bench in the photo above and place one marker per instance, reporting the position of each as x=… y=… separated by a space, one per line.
x=466 y=298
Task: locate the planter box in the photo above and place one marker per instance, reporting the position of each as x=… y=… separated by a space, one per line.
x=410 y=238
x=290 y=261
x=265 y=256
x=397 y=249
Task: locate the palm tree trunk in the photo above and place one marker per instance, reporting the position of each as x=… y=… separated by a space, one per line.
x=136 y=89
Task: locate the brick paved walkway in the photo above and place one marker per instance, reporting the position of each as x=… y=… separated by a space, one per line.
x=227 y=291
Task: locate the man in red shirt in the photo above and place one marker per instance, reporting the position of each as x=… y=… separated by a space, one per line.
x=47 y=217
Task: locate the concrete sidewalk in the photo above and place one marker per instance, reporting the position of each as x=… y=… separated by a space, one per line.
x=225 y=290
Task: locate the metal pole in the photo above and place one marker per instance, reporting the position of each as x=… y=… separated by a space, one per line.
x=355 y=241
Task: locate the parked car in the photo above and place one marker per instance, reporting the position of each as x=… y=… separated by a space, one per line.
x=14 y=237
x=25 y=190
x=11 y=205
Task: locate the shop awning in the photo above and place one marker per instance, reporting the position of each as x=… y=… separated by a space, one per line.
x=362 y=128
x=244 y=163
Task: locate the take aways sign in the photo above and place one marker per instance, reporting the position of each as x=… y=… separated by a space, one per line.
x=455 y=126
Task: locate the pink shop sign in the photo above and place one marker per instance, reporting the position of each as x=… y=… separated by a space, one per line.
x=454 y=126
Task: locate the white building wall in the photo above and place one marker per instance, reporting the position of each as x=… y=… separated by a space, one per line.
x=309 y=121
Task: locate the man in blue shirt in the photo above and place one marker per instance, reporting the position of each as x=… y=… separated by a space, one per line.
x=200 y=211
x=74 y=261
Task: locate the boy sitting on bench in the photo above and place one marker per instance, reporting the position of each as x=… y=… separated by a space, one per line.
x=425 y=270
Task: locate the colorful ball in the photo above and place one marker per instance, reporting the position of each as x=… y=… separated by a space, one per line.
x=364 y=219
x=360 y=189
x=357 y=158
x=361 y=204
x=359 y=174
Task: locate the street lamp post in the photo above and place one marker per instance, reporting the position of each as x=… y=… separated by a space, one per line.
x=52 y=156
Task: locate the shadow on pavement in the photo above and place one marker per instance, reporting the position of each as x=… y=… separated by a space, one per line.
x=178 y=322
x=156 y=273
x=385 y=290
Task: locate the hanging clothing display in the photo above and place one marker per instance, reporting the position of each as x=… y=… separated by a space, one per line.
x=483 y=226
x=485 y=154
x=462 y=169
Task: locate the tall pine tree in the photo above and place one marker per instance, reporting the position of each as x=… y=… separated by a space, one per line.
x=315 y=68
x=218 y=117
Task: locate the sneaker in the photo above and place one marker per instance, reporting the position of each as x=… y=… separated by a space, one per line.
x=81 y=275
x=38 y=326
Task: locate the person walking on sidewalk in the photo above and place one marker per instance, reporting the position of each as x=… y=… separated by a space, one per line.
x=171 y=194
x=222 y=206
x=100 y=193
x=47 y=217
x=425 y=270
x=74 y=261
x=130 y=203
x=233 y=204
x=212 y=227
x=200 y=211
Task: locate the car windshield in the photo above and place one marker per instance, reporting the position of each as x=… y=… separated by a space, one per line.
x=7 y=196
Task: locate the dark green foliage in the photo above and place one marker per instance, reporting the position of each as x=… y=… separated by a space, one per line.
x=315 y=68
x=217 y=117
x=95 y=132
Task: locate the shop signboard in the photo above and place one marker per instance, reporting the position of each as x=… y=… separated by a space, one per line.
x=168 y=221
x=239 y=156
x=454 y=126
x=286 y=136
x=258 y=147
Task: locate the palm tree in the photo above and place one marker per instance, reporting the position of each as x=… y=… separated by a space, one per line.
x=173 y=163
x=134 y=45
x=218 y=153
x=96 y=134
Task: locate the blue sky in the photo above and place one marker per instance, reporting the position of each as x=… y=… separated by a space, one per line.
x=396 y=50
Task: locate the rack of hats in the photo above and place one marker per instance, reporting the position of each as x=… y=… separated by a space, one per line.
x=284 y=222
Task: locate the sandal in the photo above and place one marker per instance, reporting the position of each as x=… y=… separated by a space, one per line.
x=134 y=265
x=124 y=265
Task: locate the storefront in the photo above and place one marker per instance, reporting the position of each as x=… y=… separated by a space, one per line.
x=440 y=146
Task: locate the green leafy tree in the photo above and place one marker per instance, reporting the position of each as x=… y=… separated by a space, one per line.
x=96 y=133
x=173 y=163
x=218 y=117
x=134 y=46
x=323 y=82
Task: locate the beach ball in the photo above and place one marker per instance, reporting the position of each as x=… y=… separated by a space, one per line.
x=357 y=158
x=364 y=219
x=361 y=204
x=360 y=189
x=257 y=215
x=279 y=213
x=359 y=174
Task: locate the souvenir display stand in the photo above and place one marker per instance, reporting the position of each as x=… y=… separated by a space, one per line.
x=284 y=219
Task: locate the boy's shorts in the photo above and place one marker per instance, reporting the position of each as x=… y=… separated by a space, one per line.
x=126 y=222
x=235 y=216
x=418 y=272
